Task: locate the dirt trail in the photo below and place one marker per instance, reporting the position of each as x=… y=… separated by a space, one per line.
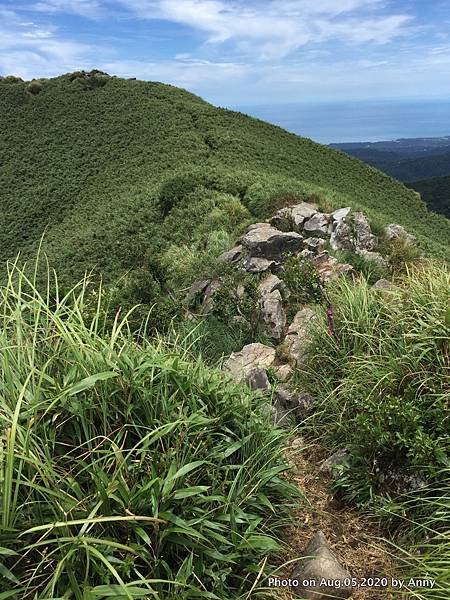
x=354 y=538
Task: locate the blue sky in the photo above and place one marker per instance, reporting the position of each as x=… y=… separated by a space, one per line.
x=236 y=52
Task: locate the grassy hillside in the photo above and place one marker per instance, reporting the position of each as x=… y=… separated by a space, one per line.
x=435 y=192
x=117 y=173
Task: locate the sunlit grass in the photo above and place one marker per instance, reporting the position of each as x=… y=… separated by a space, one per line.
x=127 y=470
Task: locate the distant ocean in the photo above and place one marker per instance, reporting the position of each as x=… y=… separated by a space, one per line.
x=357 y=122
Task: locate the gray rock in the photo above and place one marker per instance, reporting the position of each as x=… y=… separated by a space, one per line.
x=292 y=218
x=340 y=214
x=239 y=364
x=342 y=237
x=329 y=267
x=297 y=337
x=197 y=291
x=292 y=405
x=363 y=236
x=320 y=565
x=270 y=243
x=314 y=244
x=353 y=234
x=232 y=256
x=257 y=379
x=255 y=264
x=208 y=298
x=272 y=315
x=374 y=257
x=270 y=284
x=340 y=457
x=317 y=224
x=394 y=231
x=284 y=372
x=383 y=284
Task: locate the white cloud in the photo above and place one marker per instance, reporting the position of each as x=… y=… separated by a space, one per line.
x=276 y=28
x=30 y=50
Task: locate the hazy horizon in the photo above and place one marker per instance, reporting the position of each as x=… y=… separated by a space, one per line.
x=363 y=121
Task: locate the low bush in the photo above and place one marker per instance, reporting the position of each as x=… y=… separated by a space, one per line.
x=127 y=470
x=383 y=380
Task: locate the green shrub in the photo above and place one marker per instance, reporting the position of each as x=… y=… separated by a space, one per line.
x=370 y=269
x=127 y=470
x=383 y=379
x=303 y=282
x=34 y=87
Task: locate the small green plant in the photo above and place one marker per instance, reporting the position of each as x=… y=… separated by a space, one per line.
x=34 y=87
x=303 y=282
x=372 y=270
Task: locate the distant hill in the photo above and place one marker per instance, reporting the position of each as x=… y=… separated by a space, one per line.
x=118 y=172
x=435 y=192
x=409 y=161
x=405 y=168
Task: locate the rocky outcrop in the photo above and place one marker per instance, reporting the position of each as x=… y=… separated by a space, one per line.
x=394 y=231
x=265 y=241
x=292 y=218
x=320 y=565
x=329 y=267
x=296 y=340
x=317 y=224
x=272 y=314
x=352 y=232
x=291 y=406
x=252 y=356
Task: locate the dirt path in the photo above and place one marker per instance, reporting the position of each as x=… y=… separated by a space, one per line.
x=355 y=538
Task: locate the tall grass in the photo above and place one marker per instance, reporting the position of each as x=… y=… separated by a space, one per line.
x=382 y=384
x=127 y=470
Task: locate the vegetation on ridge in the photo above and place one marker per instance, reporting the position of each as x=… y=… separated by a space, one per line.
x=99 y=164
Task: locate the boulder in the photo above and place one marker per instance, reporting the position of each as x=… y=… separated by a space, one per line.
x=284 y=372
x=272 y=316
x=239 y=364
x=297 y=337
x=257 y=379
x=374 y=257
x=384 y=285
x=271 y=283
x=314 y=244
x=231 y=256
x=342 y=237
x=270 y=243
x=340 y=457
x=196 y=292
x=255 y=264
x=394 y=231
x=363 y=236
x=319 y=564
x=353 y=234
x=340 y=214
x=292 y=218
x=317 y=224
x=291 y=405
x=329 y=267
x=208 y=297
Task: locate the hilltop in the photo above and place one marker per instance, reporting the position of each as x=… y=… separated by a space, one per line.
x=118 y=172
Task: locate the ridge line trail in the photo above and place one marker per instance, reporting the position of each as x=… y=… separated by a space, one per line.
x=354 y=537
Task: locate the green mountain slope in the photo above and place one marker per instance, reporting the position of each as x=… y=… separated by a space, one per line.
x=435 y=192
x=98 y=163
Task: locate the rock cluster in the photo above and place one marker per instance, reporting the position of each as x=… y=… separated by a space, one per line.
x=301 y=231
